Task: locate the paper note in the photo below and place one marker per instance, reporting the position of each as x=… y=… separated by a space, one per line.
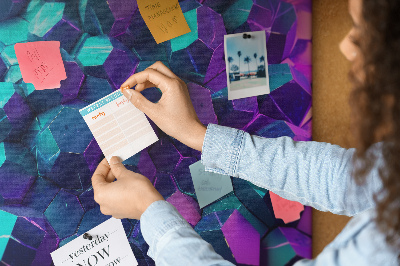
x=284 y=209
x=164 y=18
x=108 y=246
x=209 y=186
x=41 y=64
x=118 y=126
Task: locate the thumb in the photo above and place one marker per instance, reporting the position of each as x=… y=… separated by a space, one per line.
x=138 y=100
x=117 y=168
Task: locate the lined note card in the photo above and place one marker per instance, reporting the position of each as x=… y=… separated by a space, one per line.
x=118 y=126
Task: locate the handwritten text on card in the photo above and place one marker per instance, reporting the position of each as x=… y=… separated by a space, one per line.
x=164 y=18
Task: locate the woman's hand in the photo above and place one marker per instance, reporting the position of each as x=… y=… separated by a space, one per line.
x=174 y=112
x=128 y=197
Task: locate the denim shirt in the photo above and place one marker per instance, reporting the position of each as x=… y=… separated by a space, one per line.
x=312 y=173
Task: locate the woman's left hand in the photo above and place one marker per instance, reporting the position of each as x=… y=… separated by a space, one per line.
x=128 y=197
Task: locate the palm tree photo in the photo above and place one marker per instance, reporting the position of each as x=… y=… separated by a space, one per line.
x=230 y=60
x=255 y=60
x=262 y=59
x=247 y=60
x=239 y=53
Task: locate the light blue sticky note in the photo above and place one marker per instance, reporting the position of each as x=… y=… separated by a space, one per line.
x=209 y=186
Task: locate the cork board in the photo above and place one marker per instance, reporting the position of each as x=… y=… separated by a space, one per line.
x=331 y=89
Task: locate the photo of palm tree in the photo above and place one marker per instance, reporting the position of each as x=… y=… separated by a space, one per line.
x=246 y=66
x=255 y=58
x=239 y=53
x=230 y=60
x=247 y=61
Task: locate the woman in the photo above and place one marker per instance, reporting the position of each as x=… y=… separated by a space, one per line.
x=317 y=174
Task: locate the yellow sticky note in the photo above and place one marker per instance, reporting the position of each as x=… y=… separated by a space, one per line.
x=164 y=18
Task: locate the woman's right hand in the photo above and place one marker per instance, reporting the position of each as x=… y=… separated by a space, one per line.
x=174 y=113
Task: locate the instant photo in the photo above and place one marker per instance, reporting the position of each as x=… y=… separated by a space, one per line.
x=246 y=64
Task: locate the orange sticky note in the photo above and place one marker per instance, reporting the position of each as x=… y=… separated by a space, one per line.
x=164 y=18
x=41 y=64
x=288 y=211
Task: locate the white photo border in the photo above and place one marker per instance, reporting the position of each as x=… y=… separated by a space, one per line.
x=247 y=92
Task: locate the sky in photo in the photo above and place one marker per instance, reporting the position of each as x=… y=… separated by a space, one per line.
x=248 y=47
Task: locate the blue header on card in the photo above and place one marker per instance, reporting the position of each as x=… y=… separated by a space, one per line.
x=100 y=103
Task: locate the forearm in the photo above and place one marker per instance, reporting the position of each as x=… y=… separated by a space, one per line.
x=173 y=241
x=195 y=136
x=312 y=173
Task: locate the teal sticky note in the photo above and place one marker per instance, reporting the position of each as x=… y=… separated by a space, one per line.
x=209 y=186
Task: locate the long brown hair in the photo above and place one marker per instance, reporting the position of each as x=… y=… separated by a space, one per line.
x=376 y=106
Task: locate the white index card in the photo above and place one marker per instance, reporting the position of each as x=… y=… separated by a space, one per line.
x=108 y=246
x=118 y=126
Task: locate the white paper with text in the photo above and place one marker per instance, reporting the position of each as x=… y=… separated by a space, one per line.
x=108 y=247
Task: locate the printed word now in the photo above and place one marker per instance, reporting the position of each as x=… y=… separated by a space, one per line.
x=95 y=258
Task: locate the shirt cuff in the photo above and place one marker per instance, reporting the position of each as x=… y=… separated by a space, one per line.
x=221 y=149
x=158 y=219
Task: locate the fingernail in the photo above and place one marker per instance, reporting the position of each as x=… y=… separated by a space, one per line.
x=128 y=94
x=115 y=160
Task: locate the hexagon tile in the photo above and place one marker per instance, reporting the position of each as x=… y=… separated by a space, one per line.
x=48 y=154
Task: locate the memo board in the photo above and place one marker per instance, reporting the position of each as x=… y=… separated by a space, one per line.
x=48 y=154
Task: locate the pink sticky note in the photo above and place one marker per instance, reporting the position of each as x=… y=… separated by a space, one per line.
x=41 y=64
x=284 y=209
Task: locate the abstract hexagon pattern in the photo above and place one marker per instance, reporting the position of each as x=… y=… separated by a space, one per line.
x=27 y=237
x=70 y=87
x=67 y=203
x=47 y=153
x=15 y=113
x=10 y=8
x=17 y=172
x=105 y=57
x=242 y=238
x=186 y=206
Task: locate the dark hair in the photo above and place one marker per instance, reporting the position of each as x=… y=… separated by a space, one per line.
x=376 y=107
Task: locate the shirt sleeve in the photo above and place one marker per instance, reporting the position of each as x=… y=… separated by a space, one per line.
x=172 y=240
x=313 y=173
x=360 y=243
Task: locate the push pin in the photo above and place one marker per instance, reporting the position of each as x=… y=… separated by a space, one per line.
x=87 y=236
x=246 y=36
x=125 y=88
